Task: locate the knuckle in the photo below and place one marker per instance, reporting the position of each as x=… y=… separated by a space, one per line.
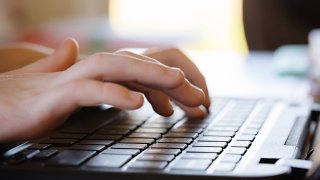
x=73 y=86
x=125 y=53
x=98 y=58
x=180 y=74
x=174 y=49
x=178 y=79
x=162 y=70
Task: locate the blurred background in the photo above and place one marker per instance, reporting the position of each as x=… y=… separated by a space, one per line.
x=112 y=24
x=275 y=32
x=207 y=25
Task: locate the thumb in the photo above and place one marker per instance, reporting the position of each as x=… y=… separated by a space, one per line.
x=61 y=59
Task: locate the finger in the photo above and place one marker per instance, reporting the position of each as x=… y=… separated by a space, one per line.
x=181 y=93
x=139 y=56
x=186 y=91
x=159 y=101
x=113 y=67
x=56 y=105
x=61 y=59
x=90 y=93
x=175 y=58
x=121 y=69
x=194 y=112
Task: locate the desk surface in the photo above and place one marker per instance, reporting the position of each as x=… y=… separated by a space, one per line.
x=253 y=75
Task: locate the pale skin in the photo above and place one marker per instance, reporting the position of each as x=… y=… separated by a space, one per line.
x=37 y=96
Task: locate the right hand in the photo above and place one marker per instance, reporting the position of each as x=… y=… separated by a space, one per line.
x=40 y=96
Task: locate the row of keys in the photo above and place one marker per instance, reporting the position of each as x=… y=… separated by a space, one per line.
x=214 y=140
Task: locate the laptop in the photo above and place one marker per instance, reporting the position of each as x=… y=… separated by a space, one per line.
x=242 y=138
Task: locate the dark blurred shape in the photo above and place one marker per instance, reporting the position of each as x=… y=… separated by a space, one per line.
x=269 y=24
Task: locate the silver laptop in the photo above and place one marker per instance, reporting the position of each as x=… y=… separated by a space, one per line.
x=242 y=138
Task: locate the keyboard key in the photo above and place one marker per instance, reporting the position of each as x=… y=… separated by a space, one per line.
x=155 y=157
x=234 y=118
x=22 y=156
x=27 y=153
x=224 y=128
x=175 y=140
x=39 y=146
x=181 y=135
x=161 y=119
x=126 y=121
x=145 y=135
x=210 y=144
x=105 y=137
x=88 y=147
x=97 y=142
x=148 y=165
x=114 y=131
x=58 y=142
x=210 y=156
x=84 y=123
x=251 y=131
x=163 y=151
x=169 y=146
x=192 y=125
x=187 y=130
x=67 y=136
x=225 y=167
x=205 y=150
x=245 y=144
x=108 y=161
x=129 y=146
x=132 y=152
x=70 y=158
x=201 y=121
x=45 y=154
x=79 y=129
x=121 y=126
x=258 y=119
x=137 y=141
x=157 y=125
x=246 y=137
x=141 y=114
x=220 y=133
x=228 y=124
x=214 y=139
x=234 y=158
x=254 y=126
x=151 y=130
x=191 y=164
x=236 y=150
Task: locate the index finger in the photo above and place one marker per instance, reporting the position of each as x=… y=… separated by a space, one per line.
x=175 y=58
x=123 y=69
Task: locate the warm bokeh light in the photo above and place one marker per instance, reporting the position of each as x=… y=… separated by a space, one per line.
x=201 y=24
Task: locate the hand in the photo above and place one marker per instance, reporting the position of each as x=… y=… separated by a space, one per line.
x=38 y=97
x=160 y=101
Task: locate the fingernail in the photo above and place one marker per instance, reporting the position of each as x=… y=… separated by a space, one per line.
x=204 y=109
x=171 y=109
x=135 y=96
x=174 y=71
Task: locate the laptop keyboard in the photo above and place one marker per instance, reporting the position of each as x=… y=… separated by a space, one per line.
x=144 y=140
